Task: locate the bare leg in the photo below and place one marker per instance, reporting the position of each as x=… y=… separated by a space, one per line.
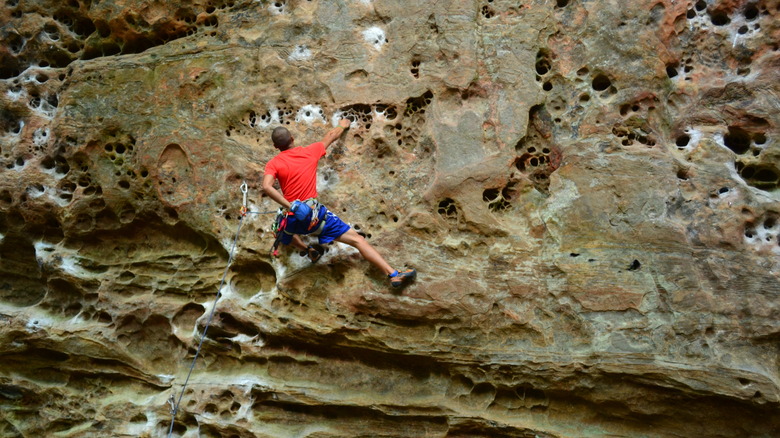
x=352 y=238
x=298 y=242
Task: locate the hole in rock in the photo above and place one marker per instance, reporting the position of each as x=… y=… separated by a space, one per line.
x=447 y=208
x=231 y=326
x=737 y=139
x=719 y=18
x=252 y=278
x=561 y=3
x=748 y=171
x=701 y=5
x=490 y=195
x=15 y=42
x=102 y=28
x=47 y=355
x=137 y=45
x=634 y=265
x=751 y=12
x=104 y=317
x=765 y=175
x=48 y=163
x=601 y=82
x=483 y=389
x=83 y=27
x=683 y=140
x=542 y=66
x=185 y=318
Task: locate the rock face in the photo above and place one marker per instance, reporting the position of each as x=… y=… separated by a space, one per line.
x=588 y=189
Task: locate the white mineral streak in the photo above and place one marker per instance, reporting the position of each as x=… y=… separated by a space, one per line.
x=300 y=53
x=309 y=114
x=375 y=36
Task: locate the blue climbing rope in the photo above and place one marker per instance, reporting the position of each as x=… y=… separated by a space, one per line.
x=175 y=409
x=244 y=212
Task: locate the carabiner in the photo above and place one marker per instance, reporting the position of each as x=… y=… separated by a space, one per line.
x=244 y=190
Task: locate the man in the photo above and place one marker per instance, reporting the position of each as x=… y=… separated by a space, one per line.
x=296 y=170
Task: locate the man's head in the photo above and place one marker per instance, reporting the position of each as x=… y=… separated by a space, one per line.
x=282 y=138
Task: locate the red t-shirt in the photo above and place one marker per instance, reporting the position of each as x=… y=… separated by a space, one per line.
x=296 y=170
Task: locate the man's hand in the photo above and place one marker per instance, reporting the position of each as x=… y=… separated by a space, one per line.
x=336 y=132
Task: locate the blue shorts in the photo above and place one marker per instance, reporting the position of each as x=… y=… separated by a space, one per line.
x=333 y=229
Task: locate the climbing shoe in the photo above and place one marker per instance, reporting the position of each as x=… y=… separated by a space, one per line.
x=315 y=252
x=401 y=278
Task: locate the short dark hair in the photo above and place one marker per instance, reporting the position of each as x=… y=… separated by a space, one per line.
x=281 y=138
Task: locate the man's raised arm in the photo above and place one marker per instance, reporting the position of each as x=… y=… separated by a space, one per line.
x=336 y=132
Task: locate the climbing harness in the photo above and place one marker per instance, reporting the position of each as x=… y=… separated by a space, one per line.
x=309 y=211
x=172 y=401
x=316 y=209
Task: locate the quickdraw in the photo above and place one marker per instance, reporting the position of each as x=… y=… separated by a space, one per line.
x=244 y=190
x=280 y=223
x=244 y=210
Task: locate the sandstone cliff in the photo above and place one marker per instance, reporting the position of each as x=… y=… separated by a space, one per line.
x=588 y=189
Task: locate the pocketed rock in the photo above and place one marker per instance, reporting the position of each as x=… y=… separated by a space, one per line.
x=588 y=192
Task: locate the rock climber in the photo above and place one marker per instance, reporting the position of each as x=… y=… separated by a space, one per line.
x=296 y=170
